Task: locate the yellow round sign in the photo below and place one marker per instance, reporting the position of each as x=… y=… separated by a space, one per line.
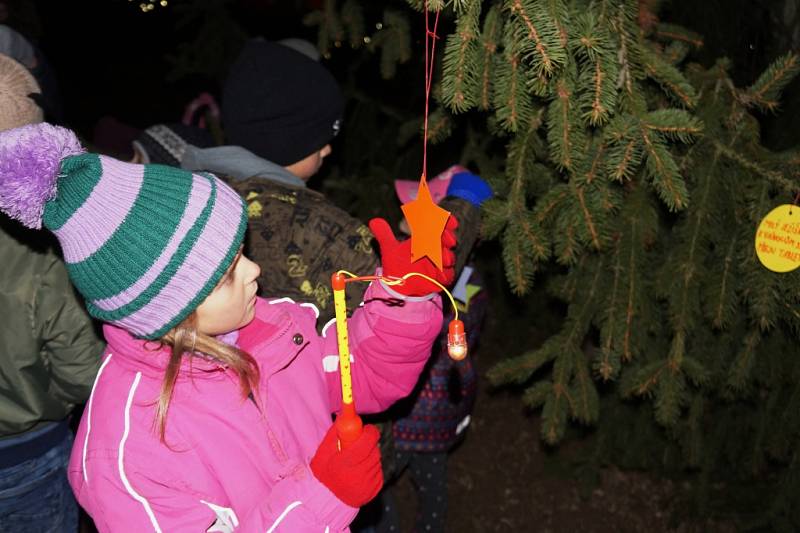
x=778 y=239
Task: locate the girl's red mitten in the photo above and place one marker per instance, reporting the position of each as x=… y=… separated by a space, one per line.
x=396 y=259
x=354 y=473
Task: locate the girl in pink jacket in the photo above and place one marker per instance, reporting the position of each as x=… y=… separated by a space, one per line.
x=212 y=409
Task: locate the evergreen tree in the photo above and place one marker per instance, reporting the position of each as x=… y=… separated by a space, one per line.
x=636 y=182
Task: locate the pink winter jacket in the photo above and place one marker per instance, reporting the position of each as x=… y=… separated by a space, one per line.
x=227 y=465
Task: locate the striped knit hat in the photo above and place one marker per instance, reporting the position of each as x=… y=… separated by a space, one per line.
x=144 y=244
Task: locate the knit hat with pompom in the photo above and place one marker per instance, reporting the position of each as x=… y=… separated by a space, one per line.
x=16 y=106
x=143 y=244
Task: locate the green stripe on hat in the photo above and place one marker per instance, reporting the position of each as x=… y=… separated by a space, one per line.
x=81 y=174
x=169 y=270
x=140 y=239
x=211 y=283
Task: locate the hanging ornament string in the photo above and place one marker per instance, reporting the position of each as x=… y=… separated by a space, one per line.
x=430 y=54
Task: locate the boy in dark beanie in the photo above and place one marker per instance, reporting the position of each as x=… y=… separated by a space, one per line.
x=283 y=106
x=280 y=111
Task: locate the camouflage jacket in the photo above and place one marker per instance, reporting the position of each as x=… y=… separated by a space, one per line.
x=299 y=238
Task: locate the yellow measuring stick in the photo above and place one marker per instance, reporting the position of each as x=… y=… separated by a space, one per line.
x=339 y=306
x=348 y=423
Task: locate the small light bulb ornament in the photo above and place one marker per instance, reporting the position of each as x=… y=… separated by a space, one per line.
x=348 y=423
x=456 y=340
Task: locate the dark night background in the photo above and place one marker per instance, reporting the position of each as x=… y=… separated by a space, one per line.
x=112 y=59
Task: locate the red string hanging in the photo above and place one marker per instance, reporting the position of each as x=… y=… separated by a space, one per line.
x=430 y=43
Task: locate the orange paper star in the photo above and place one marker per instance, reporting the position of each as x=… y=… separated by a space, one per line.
x=426 y=221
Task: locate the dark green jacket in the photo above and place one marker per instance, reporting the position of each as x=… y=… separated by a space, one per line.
x=49 y=350
x=299 y=238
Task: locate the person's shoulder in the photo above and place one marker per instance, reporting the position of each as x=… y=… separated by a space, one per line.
x=275 y=190
x=26 y=254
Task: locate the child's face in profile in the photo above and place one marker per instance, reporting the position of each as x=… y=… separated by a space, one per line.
x=232 y=303
x=310 y=165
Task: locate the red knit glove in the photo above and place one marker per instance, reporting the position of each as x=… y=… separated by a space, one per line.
x=354 y=473
x=396 y=259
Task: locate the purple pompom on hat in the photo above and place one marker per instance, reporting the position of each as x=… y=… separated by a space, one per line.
x=30 y=159
x=143 y=244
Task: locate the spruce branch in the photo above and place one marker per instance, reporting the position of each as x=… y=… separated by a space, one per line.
x=463 y=6
x=676 y=52
x=766 y=91
x=520 y=166
x=586 y=408
x=538 y=36
x=740 y=372
x=693 y=442
x=513 y=105
x=520 y=368
x=329 y=24
x=539 y=241
x=697 y=373
x=459 y=80
x=671 y=396
x=495 y=215
x=558 y=11
x=565 y=137
x=522 y=155
x=775 y=177
x=624 y=159
x=630 y=308
x=550 y=203
x=669 y=78
x=675 y=124
x=489 y=39
x=567 y=245
x=440 y=126
x=588 y=39
x=353 y=22
x=535 y=395
x=393 y=41
x=721 y=295
x=622 y=307
x=554 y=414
x=518 y=262
x=673 y=32
x=604 y=94
x=433 y=5
x=685 y=269
x=762 y=292
x=644 y=381
x=610 y=199
x=663 y=172
x=622 y=23
x=588 y=219
x=559 y=403
x=595 y=167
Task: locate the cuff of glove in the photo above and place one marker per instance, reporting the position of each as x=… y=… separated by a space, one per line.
x=329 y=508
x=395 y=294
